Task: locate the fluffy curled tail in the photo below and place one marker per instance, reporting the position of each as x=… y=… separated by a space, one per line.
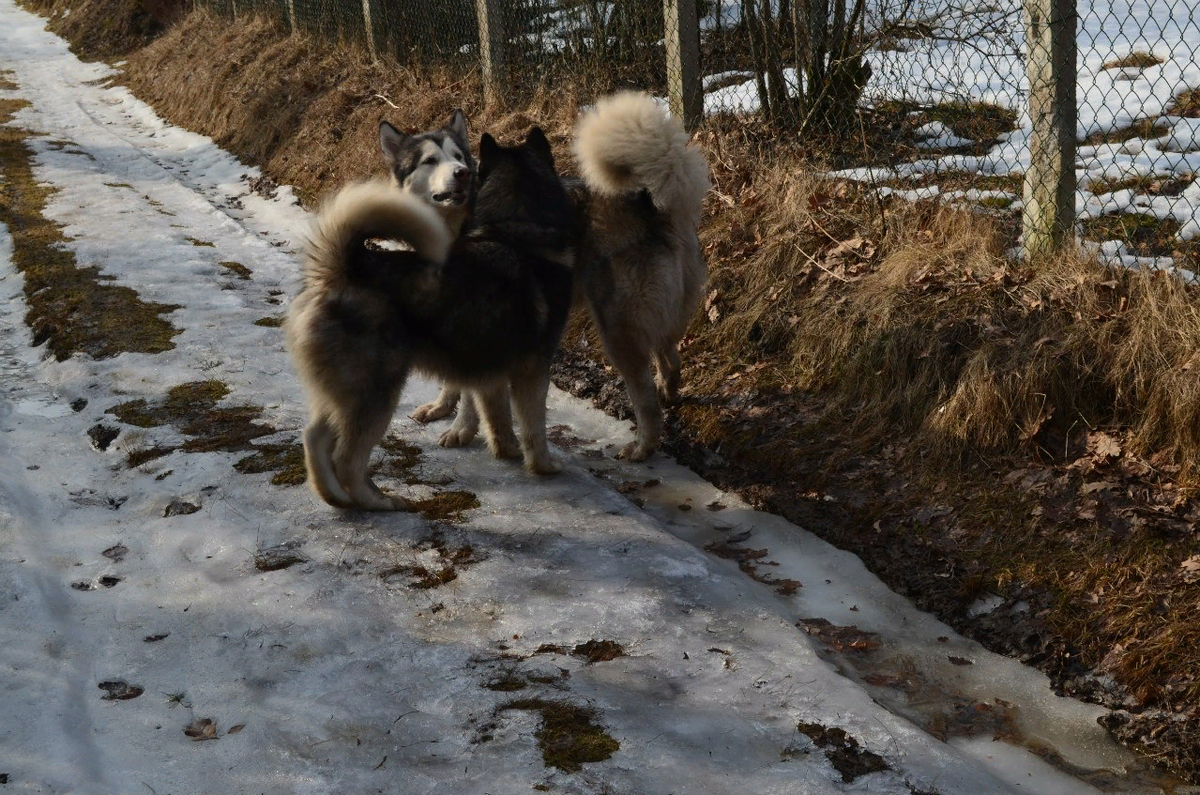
x=629 y=143
x=364 y=210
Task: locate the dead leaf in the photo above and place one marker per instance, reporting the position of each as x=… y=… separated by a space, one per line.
x=1103 y=446
x=839 y=638
x=854 y=244
x=236 y=729
x=710 y=306
x=1099 y=485
x=120 y=690
x=202 y=729
x=1191 y=569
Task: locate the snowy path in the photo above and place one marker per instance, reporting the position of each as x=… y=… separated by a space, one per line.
x=334 y=675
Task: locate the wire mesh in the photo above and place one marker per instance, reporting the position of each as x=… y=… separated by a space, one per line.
x=919 y=97
x=1137 y=128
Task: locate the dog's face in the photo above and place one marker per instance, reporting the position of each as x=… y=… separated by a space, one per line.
x=435 y=166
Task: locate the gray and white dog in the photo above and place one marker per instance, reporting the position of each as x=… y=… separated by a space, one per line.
x=434 y=166
x=640 y=269
x=483 y=311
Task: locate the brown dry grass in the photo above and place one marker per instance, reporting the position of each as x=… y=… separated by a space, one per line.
x=914 y=322
x=1134 y=60
x=307 y=112
x=99 y=29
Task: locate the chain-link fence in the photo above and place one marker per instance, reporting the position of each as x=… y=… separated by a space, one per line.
x=919 y=97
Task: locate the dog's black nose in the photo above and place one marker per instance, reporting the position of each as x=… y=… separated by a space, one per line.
x=462 y=175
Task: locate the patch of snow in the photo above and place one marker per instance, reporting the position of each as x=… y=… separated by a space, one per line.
x=936 y=135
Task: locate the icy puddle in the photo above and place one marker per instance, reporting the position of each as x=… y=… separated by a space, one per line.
x=991 y=707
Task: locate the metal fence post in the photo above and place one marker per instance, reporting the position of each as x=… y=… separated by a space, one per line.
x=1048 y=219
x=491 y=48
x=683 y=61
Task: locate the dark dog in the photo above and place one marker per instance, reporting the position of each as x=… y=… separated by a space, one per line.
x=483 y=313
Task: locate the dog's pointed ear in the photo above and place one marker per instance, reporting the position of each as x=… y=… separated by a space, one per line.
x=537 y=142
x=458 y=126
x=391 y=141
x=488 y=148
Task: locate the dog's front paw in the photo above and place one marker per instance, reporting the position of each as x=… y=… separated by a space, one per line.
x=381 y=502
x=431 y=412
x=505 y=447
x=543 y=465
x=457 y=437
x=636 y=451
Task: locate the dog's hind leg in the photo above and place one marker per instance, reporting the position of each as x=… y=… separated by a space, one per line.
x=632 y=361
x=319 y=442
x=439 y=408
x=492 y=404
x=360 y=433
x=666 y=362
x=466 y=424
x=529 y=388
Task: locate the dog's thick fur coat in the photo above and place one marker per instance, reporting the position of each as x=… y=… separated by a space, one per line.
x=640 y=270
x=483 y=313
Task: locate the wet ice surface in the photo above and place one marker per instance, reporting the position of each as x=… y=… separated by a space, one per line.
x=333 y=673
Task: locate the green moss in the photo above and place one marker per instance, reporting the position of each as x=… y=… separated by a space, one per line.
x=595 y=651
x=569 y=736
x=225 y=429
x=1149 y=185
x=981 y=122
x=1144 y=234
x=270 y=322
x=285 y=460
x=445 y=506
x=70 y=309
x=237 y=268
x=423 y=578
x=200 y=243
x=401 y=460
x=194 y=397
x=1146 y=128
x=997 y=202
x=119 y=185
x=1098 y=187
x=193 y=408
x=137 y=413
x=139 y=457
x=1134 y=60
x=507 y=683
